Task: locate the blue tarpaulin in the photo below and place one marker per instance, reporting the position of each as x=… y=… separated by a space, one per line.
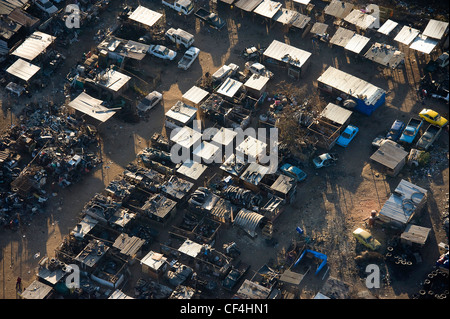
x=317 y=255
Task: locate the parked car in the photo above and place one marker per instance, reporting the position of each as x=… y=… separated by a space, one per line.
x=258 y=68
x=411 y=131
x=149 y=101
x=396 y=130
x=366 y=238
x=430 y=135
x=347 y=136
x=46 y=6
x=325 y=160
x=210 y=18
x=162 y=52
x=433 y=117
x=293 y=171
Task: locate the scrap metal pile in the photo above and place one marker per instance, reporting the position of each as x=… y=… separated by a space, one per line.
x=45 y=152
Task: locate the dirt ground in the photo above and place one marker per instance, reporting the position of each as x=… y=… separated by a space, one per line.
x=329 y=205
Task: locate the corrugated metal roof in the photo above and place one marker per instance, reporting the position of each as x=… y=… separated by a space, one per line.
x=252 y=147
x=336 y=113
x=256 y=82
x=190 y=248
x=92 y=107
x=357 y=43
x=268 y=8
x=389 y=155
x=145 y=16
x=342 y=37
x=424 y=44
x=154 y=260
x=285 y=16
x=34 y=45
x=351 y=85
x=416 y=234
x=248 y=5
x=112 y=79
x=283 y=184
x=186 y=137
x=192 y=169
x=234 y=165
x=206 y=151
x=181 y=112
x=254 y=173
x=360 y=19
x=304 y=2
x=338 y=9
x=387 y=27
x=385 y=54
x=229 y=87
x=36 y=290
x=319 y=28
x=23 y=70
x=435 y=29
x=282 y=52
x=248 y=221
x=401 y=204
x=7 y=6
x=195 y=95
x=406 y=35
x=301 y=21
x=224 y=136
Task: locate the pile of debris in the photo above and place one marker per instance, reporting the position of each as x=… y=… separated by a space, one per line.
x=47 y=150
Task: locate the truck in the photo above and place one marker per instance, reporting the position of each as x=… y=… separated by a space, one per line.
x=185 y=7
x=212 y=19
x=411 y=130
x=428 y=137
x=179 y=36
x=188 y=58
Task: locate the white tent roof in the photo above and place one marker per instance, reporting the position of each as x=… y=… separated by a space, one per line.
x=192 y=169
x=92 y=107
x=387 y=27
x=357 y=43
x=406 y=35
x=435 y=29
x=423 y=44
x=229 y=87
x=34 y=45
x=23 y=70
x=360 y=19
x=113 y=80
x=181 y=113
x=206 y=151
x=186 y=137
x=145 y=16
x=195 y=95
x=268 y=8
x=256 y=82
x=279 y=51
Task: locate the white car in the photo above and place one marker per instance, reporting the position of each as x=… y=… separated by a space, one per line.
x=46 y=6
x=149 y=101
x=258 y=68
x=162 y=52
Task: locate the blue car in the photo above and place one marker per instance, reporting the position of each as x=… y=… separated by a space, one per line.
x=347 y=136
x=395 y=130
x=293 y=171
